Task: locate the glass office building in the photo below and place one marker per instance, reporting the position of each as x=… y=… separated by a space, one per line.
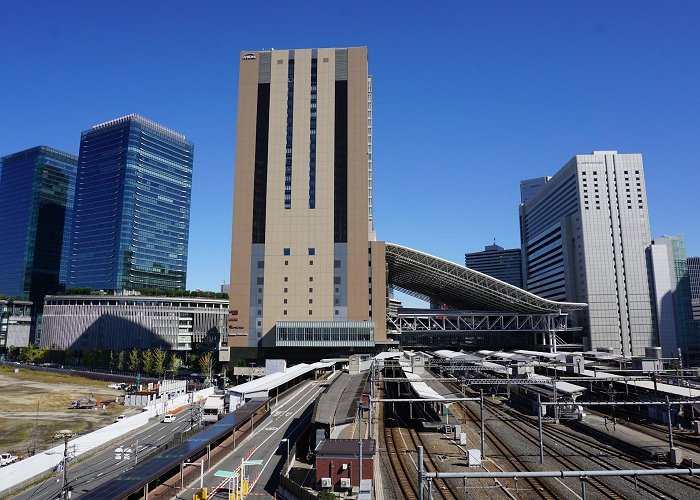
x=36 y=203
x=132 y=207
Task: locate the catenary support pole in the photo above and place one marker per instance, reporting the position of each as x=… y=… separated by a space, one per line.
x=420 y=473
x=539 y=426
x=670 y=425
x=481 y=418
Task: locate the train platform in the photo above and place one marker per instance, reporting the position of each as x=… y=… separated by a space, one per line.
x=618 y=433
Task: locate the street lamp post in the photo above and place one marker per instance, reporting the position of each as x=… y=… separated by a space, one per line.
x=285 y=440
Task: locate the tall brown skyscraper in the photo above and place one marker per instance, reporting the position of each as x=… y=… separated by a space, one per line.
x=305 y=269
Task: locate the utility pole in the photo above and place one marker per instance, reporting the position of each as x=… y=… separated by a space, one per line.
x=64 y=482
x=359 y=414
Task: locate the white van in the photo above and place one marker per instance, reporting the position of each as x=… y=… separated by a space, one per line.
x=169 y=418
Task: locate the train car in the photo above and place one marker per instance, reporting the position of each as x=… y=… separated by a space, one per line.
x=524 y=397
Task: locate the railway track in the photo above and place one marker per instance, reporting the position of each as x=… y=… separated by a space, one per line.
x=443 y=487
x=540 y=488
x=564 y=439
x=407 y=488
x=509 y=419
x=402 y=443
x=567 y=439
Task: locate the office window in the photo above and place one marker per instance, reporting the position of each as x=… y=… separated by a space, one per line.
x=311 y=278
x=287 y=251
x=312 y=251
x=285 y=290
x=311 y=262
x=336 y=264
x=336 y=280
x=311 y=290
x=310 y=314
x=311 y=301
x=284 y=312
x=286 y=278
x=285 y=301
x=261 y=264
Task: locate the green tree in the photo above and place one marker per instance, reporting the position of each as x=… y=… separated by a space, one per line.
x=70 y=357
x=121 y=361
x=13 y=352
x=87 y=357
x=100 y=358
x=159 y=366
x=174 y=363
x=134 y=360
x=31 y=354
x=147 y=361
x=206 y=364
x=112 y=359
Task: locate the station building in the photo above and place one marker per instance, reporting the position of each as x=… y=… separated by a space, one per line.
x=123 y=322
x=303 y=237
x=306 y=268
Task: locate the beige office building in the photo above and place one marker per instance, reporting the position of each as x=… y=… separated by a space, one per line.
x=305 y=269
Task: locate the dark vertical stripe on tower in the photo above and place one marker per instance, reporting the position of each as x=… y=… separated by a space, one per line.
x=340 y=216
x=260 y=182
x=290 y=133
x=312 y=129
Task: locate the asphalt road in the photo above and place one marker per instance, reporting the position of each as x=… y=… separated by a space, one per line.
x=107 y=464
x=287 y=419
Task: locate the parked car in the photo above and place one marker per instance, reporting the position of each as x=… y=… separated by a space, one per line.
x=7 y=459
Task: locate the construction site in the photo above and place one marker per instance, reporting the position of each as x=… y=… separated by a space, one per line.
x=36 y=406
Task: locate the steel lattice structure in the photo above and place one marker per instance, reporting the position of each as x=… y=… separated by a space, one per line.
x=470 y=321
x=433 y=279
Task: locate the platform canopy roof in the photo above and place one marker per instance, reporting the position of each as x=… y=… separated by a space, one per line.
x=434 y=279
x=277 y=379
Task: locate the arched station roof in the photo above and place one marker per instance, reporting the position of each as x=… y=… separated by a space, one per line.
x=432 y=278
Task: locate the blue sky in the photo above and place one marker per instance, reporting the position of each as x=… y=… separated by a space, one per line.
x=470 y=98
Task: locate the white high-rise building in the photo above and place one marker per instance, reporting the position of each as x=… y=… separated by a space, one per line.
x=583 y=237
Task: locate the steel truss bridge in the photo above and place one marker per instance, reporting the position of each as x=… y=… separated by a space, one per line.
x=411 y=320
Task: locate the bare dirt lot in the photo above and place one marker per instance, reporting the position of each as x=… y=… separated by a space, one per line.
x=34 y=406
